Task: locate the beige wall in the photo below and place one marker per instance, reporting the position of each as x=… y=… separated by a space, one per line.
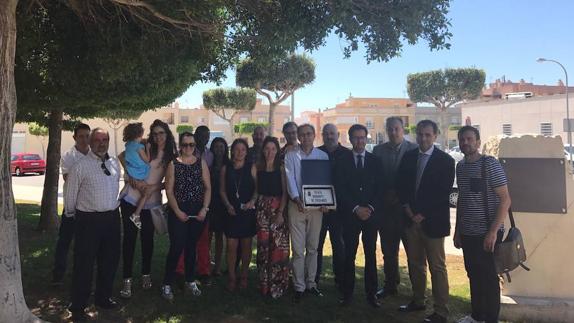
x=524 y=115
x=548 y=238
x=173 y=115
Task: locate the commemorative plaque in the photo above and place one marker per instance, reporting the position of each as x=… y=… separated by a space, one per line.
x=318 y=189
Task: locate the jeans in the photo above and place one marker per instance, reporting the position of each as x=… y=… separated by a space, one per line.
x=484 y=283
x=65 y=237
x=130 y=237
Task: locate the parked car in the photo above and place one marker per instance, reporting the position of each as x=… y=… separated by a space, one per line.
x=455 y=153
x=27 y=163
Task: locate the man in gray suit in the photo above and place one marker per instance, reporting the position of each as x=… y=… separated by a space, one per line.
x=392 y=226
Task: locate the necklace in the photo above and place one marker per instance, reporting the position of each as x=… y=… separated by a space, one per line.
x=238 y=183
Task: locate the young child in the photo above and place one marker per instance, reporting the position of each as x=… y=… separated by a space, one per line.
x=137 y=163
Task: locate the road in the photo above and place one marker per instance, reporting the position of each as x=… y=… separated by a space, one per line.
x=29 y=188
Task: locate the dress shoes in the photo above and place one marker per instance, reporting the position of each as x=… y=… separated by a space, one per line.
x=107 y=304
x=79 y=316
x=411 y=307
x=372 y=300
x=435 y=318
x=345 y=301
x=384 y=293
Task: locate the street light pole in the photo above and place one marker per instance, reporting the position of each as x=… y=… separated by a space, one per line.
x=540 y=60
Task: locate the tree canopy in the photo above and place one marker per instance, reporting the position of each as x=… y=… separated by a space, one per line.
x=248 y=127
x=444 y=89
x=184 y=128
x=225 y=103
x=276 y=79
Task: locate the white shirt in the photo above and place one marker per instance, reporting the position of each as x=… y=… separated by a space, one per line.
x=293 y=168
x=356 y=154
x=90 y=189
x=67 y=162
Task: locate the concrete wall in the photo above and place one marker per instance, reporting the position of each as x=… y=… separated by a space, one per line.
x=548 y=238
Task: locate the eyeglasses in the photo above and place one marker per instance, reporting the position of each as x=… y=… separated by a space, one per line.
x=105 y=169
x=189 y=145
x=158 y=133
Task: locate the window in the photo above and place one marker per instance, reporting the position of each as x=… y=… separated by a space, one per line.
x=261 y=119
x=243 y=120
x=13 y=158
x=184 y=119
x=546 y=128
x=369 y=124
x=507 y=129
x=168 y=118
x=201 y=120
x=31 y=157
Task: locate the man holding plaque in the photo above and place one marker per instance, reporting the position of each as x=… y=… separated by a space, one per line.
x=304 y=223
x=358 y=183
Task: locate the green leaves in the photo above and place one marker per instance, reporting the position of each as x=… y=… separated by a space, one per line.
x=37 y=130
x=444 y=88
x=219 y=100
x=184 y=128
x=248 y=127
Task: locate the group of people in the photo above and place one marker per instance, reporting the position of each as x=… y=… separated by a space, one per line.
x=400 y=191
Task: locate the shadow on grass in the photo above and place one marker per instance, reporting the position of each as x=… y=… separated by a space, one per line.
x=215 y=305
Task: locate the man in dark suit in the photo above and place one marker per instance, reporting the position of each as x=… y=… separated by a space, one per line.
x=359 y=187
x=424 y=182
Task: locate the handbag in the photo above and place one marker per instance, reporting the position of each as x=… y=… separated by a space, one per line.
x=510 y=252
x=159 y=218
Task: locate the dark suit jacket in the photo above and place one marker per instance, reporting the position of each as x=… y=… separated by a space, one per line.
x=434 y=189
x=358 y=187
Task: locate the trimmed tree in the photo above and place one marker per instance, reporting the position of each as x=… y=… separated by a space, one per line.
x=39 y=131
x=276 y=79
x=248 y=127
x=225 y=103
x=225 y=30
x=117 y=119
x=444 y=89
x=184 y=128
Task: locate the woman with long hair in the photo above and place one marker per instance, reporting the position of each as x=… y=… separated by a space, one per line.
x=161 y=149
x=238 y=195
x=272 y=229
x=188 y=189
x=217 y=211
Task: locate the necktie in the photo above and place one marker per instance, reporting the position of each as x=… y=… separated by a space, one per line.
x=421 y=163
x=359 y=161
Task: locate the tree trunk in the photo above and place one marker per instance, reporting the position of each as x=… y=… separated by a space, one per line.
x=13 y=307
x=271 y=128
x=49 y=219
x=444 y=123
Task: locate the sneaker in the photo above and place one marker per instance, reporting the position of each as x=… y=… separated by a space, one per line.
x=167 y=293
x=126 y=291
x=192 y=287
x=468 y=319
x=315 y=291
x=135 y=218
x=146 y=282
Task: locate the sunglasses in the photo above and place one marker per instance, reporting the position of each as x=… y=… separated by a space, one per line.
x=189 y=145
x=105 y=169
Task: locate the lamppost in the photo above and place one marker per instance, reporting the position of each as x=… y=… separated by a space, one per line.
x=568 y=129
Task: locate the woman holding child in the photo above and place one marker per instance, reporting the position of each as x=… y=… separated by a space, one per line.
x=160 y=151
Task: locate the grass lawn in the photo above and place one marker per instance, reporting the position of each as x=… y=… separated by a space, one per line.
x=215 y=305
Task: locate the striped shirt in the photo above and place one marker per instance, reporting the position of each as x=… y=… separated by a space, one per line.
x=474 y=221
x=90 y=189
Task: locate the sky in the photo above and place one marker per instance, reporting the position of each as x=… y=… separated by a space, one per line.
x=504 y=38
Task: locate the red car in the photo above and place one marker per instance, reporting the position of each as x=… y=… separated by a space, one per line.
x=27 y=163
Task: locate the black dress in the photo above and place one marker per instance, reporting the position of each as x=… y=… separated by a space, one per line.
x=217 y=211
x=239 y=187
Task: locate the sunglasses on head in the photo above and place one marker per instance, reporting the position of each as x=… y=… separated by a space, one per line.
x=190 y=145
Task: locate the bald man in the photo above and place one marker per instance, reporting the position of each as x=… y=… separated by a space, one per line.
x=331 y=219
x=92 y=198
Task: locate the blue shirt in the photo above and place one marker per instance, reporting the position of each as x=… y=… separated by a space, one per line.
x=137 y=168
